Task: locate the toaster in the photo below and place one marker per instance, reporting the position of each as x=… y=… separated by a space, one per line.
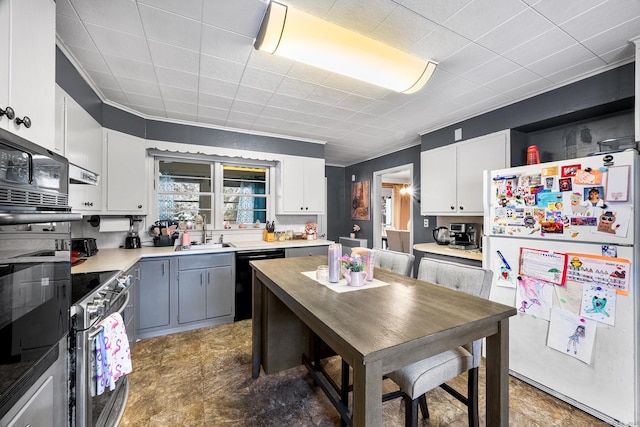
x=86 y=245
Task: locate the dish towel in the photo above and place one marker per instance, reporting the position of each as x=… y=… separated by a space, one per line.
x=113 y=358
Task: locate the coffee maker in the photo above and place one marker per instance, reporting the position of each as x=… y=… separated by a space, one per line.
x=464 y=236
x=132 y=240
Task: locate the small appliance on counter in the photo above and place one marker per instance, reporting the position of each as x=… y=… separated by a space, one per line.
x=441 y=235
x=85 y=245
x=132 y=241
x=464 y=236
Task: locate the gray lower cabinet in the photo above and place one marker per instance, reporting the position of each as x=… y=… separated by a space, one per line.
x=185 y=292
x=154 y=293
x=306 y=251
x=205 y=287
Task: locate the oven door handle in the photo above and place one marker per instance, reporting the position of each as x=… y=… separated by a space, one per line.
x=37 y=218
x=99 y=328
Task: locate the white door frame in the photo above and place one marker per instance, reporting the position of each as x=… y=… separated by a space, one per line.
x=377 y=204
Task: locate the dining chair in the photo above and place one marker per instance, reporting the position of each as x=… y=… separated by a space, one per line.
x=418 y=378
x=394 y=241
x=398 y=262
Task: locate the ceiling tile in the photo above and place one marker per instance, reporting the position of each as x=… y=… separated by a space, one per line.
x=361 y=16
x=221 y=69
x=621 y=54
x=467 y=58
x=602 y=17
x=437 y=11
x=90 y=59
x=261 y=79
x=489 y=70
x=218 y=87
x=577 y=69
x=119 y=15
x=178 y=79
x=73 y=32
x=122 y=67
x=169 y=56
x=310 y=107
x=467 y=23
x=307 y=73
x=114 y=95
x=284 y=101
x=225 y=44
x=269 y=62
x=212 y=114
x=326 y=95
x=170 y=28
x=618 y=36
x=561 y=60
x=561 y=11
x=338 y=113
x=64 y=8
x=403 y=28
x=518 y=30
x=140 y=87
x=540 y=47
x=116 y=43
x=247 y=107
x=297 y=88
x=145 y=101
x=173 y=106
x=354 y=102
x=104 y=80
x=240 y=16
x=188 y=8
x=250 y=94
x=170 y=93
x=207 y=100
x=439 y=44
x=512 y=80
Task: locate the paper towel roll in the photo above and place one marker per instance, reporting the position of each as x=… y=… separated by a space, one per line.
x=114 y=224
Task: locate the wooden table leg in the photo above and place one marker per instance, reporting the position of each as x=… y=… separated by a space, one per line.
x=497 y=363
x=367 y=394
x=256 y=324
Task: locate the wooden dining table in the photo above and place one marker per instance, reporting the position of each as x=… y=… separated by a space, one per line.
x=375 y=330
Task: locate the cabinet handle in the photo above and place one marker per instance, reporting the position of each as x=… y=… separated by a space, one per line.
x=163 y=269
x=26 y=121
x=306 y=208
x=8 y=112
x=301 y=208
x=461 y=208
x=208 y=278
x=453 y=208
x=88 y=203
x=139 y=206
x=200 y=279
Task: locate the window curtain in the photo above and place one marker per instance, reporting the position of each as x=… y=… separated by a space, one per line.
x=166 y=208
x=246 y=205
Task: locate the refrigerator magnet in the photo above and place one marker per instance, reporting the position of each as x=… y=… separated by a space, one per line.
x=588 y=176
x=569 y=170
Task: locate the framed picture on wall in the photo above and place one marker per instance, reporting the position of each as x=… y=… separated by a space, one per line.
x=360 y=201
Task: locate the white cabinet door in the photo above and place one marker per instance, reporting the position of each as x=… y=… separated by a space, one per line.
x=85 y=198
x=483 y=153
x=451 y=176
x=28 y=53
x=438 y=181
x=313 y=185
x=126 y=174
x=83 y=138
x=301 y=185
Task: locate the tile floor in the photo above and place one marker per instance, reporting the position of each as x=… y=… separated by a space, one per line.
x=203 y=378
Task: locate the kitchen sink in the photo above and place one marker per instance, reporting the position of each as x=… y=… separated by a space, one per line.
x=204 y=246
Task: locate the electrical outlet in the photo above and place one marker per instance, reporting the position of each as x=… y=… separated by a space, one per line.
x=426 y=222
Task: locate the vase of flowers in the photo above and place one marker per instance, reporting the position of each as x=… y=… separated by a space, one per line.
x=311 y=230
x=353 y=270
x=355 y=229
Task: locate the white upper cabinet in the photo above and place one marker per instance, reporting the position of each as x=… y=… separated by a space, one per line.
x=27 y=69
x=451 y=176
x=81 y=138
x=126 y=174
x=301 y=185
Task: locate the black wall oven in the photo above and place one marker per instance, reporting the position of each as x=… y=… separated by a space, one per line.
x=35 y=263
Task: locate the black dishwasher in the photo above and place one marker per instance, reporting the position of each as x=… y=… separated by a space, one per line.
x=243 y=278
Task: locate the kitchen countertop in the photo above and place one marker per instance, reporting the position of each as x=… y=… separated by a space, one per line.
x=435 y=248
x=123 y=259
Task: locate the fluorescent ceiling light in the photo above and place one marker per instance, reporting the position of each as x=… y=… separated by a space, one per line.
x=301 y=37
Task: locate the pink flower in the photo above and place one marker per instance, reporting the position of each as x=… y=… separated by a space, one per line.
x=356 y=228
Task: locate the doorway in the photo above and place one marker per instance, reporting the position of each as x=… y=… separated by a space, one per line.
x=392 y=203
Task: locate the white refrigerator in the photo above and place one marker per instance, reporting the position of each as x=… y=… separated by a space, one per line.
x=561 y=238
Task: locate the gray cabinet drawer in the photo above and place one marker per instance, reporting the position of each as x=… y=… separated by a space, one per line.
x=306 y=251
x=189 y=262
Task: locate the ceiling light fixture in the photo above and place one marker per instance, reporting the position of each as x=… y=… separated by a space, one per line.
x=301 y=37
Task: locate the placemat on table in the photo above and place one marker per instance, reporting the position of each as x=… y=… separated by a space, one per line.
x=342 y=286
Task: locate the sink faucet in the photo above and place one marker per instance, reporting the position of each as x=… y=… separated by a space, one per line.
x=220 y=239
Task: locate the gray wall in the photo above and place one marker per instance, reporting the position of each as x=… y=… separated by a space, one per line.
x=337 y=222
x=597 y=101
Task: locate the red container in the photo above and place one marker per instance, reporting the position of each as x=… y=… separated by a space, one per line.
x=533 y=158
